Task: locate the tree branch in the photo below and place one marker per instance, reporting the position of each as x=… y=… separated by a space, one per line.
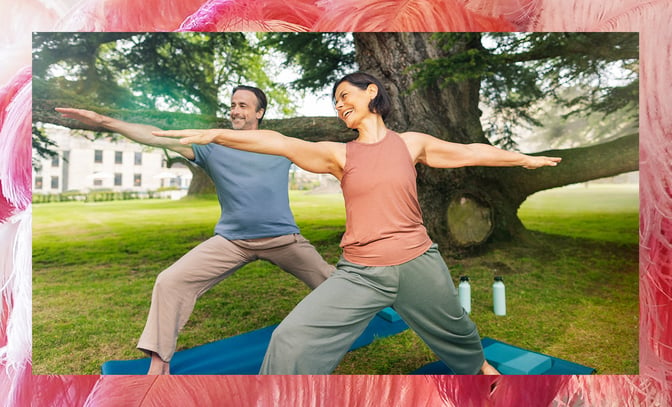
x=578 y=165
x=312 y=128
x=306 y=128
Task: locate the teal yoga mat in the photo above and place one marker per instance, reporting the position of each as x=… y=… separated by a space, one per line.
x=512 y=360
x=242 y=354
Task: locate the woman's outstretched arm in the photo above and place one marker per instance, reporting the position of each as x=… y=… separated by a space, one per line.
x=320 y=157
x=438 y=153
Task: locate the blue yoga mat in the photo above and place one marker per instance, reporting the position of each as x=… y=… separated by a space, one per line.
x=512 y=360
x=242 y=354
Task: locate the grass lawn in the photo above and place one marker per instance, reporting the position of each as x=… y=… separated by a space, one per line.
x=572 y=287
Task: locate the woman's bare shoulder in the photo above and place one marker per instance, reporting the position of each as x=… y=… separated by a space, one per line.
x=415 y=142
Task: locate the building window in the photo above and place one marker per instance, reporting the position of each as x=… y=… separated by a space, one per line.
x=137 y=180
x=97 y=182
x=117 y=179
x=98 y=156
x=118 y=157
x=138 y=158
x=54 y=182
x=55 y=161
x=38 y=182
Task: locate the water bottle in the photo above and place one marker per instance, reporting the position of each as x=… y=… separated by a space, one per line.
x=464 y=292
x=499 y=296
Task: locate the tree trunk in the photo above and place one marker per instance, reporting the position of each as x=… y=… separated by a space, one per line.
x=201 y=183
x=478 y=204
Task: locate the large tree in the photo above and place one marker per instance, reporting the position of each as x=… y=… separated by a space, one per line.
x=437 y=83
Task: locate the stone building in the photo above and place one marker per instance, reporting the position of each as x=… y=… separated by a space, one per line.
x=83 y=165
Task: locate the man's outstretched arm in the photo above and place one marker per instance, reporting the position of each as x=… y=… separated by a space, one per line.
x=140 y=133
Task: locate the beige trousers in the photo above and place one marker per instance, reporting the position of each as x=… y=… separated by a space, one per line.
x=178 y=287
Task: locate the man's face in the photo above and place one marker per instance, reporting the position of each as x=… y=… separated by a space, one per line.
x=244 y=114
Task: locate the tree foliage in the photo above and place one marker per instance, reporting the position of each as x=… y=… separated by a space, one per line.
x=522 y=74
x=186 y=72
x=322 y=58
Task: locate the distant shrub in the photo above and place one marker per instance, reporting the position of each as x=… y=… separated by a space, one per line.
x=99 y=195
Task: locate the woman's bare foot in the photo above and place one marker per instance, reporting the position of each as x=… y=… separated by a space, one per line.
x=158 y=366
x=487 y=369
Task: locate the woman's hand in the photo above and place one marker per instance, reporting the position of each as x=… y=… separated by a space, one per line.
x=537 y=161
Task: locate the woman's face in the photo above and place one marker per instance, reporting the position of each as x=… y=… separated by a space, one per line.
x=352 y=103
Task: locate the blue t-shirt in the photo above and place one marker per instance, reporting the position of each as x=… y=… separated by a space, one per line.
x=252 y=190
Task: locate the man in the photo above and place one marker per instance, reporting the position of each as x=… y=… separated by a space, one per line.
x=256 y=223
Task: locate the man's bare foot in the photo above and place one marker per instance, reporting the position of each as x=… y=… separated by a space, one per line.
x=158 y=366
x=487 y=369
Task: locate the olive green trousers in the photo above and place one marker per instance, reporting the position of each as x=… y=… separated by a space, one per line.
x=315 y=336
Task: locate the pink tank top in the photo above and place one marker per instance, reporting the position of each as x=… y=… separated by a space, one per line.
x=383 y=217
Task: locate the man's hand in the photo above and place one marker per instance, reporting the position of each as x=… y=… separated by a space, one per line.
x=85 y=116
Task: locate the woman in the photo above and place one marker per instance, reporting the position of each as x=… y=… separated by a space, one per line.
x=388 y=258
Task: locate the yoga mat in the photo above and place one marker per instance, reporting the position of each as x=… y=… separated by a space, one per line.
x=512 y=360
x=242 y=354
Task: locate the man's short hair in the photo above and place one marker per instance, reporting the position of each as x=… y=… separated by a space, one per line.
x=262 y=102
